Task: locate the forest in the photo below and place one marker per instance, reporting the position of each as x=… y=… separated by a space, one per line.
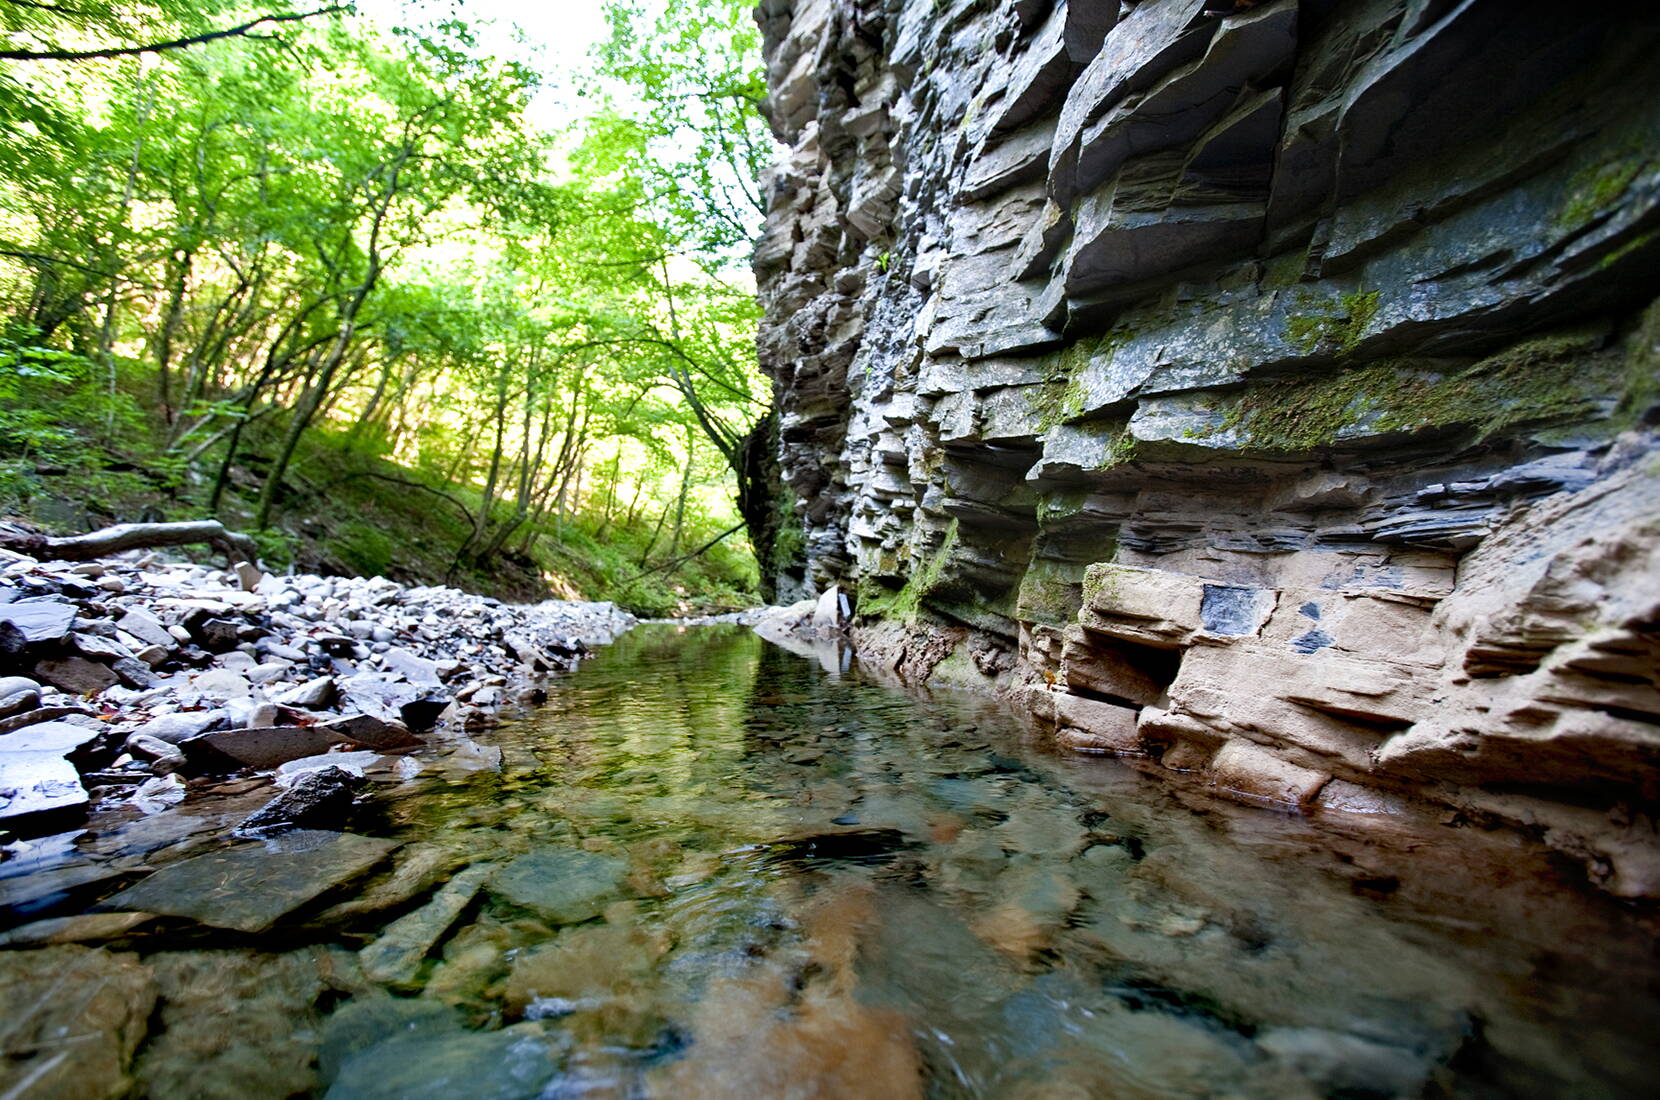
x=343 y=281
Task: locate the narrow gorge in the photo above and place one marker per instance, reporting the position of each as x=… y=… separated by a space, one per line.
x=1266 y=391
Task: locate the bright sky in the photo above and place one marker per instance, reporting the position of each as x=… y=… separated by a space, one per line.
x=553 y=35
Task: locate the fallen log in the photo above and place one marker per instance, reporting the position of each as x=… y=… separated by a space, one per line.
x=132 y=536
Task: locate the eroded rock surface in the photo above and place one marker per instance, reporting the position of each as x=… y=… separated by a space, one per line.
x=1267 y=395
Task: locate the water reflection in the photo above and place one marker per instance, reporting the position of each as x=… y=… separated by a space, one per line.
x=823 y=887
x=712 y=868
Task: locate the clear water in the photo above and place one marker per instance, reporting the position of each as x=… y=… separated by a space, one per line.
x=712 y=868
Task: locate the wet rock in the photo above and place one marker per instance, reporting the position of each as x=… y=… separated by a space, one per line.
x=62 y=738
x=159 y=793
x=74 y=1018
x=248 y=575
x=80 y=928
x=417 y=868
x=1250 y=771
x=37 y=622
x=353 y=763
x=366 y=1021
x=566 y=885
x=515 y=1062
x=1347 y=1064
x=43 y=714
x=76 y=675
x=395 y=956
x=234 y=1024
x=319 y=799
x=146 y=628
x=251 y=888
x=221 y=684
x=415 y=669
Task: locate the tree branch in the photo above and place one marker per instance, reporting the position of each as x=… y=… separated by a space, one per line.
x=242 y=30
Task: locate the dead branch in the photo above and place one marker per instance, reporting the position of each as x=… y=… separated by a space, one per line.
x=132 y=536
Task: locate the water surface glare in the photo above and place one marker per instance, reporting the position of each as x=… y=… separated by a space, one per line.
x=712 y=868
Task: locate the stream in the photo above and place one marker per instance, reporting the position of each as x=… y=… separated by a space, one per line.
x=709 y=867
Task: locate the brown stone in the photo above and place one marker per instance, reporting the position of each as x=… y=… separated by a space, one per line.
x=1255 y=774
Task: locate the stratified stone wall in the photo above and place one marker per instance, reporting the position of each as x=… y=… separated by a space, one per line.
x=1268 y=395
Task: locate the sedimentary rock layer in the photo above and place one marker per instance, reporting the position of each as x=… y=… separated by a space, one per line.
x=1269 y=394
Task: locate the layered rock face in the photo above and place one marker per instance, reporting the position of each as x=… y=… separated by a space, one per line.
x=1269 y=395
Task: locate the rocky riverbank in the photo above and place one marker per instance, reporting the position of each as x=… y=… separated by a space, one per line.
x=137 y=681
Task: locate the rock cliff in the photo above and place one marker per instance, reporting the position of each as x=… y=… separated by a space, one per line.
x=1265 y=394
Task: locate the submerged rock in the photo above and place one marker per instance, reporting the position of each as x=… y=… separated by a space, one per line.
x=74 y=1016
x=566 y=885
x=511 y=1064
x=395 y=956
x=251 y=888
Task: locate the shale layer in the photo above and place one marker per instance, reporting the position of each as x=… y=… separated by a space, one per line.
x=1267 y=395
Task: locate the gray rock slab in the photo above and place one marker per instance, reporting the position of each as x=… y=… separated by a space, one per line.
x=146 y=628
x=371 y=732
x=312 y=694
x=412 y=667
x=251 y=888
x=270 y=746
x=38 y=782
x=396 y=955
x=510 y=1064
x=40 y=620
x=565 y=884
x=60 y=738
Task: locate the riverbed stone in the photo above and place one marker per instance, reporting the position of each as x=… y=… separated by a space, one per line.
x=251 y=888
x=566 y=885
x=80 y=928
x=509 y=1064
x=395 y=956
x=40 y=620
x=234 y=1024
x=74 y=1017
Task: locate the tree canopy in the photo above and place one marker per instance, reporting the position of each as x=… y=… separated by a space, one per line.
x=231 y=234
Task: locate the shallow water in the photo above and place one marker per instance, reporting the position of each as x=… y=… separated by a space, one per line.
x=712 y=868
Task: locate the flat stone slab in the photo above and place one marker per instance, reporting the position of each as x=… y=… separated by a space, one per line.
x=250 y=888
x=269 y=746
x=515 y=1062
x=56 y=737
x=38 y=782
x=395 y=957
x=566 y=884
x=40 y=620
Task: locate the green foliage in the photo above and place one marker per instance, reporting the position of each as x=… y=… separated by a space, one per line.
x=241 y=271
